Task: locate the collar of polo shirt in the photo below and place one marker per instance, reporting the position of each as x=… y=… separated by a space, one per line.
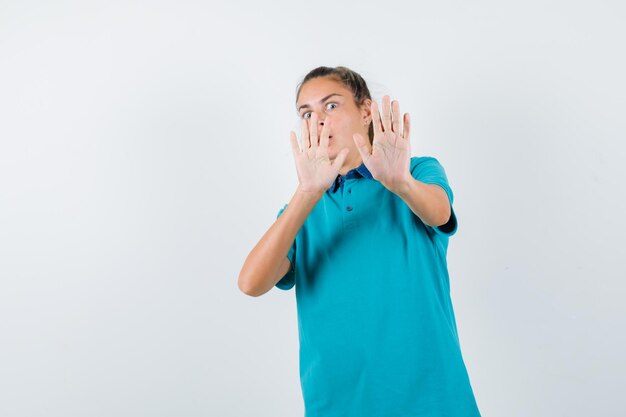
x=360 y=171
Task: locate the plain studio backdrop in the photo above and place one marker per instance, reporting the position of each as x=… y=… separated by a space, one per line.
x=145 y=150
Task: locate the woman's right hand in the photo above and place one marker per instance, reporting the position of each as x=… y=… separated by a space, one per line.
x=316 y=172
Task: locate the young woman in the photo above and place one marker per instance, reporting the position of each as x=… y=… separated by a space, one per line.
x=364 y=241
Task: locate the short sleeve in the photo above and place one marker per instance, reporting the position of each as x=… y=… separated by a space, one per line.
x=428 y=170
x=289 y=279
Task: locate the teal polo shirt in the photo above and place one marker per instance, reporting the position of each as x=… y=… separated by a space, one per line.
x=376 y=326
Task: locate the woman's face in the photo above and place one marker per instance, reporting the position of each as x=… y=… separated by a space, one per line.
x=330 y=100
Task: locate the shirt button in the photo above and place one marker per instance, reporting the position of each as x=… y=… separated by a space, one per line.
x=349 y=208
x=349 y=191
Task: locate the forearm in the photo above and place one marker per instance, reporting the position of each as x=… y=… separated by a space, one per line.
x=428 y=201
x=259 y=272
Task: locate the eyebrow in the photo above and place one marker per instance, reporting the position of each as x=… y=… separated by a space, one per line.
x=321 y=101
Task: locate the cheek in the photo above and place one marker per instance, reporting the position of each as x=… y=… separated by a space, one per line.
x=341 y=123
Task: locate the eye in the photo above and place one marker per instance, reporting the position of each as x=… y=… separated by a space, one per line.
x=307 y=112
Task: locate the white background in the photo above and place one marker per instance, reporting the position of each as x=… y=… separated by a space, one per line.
x=144 y=150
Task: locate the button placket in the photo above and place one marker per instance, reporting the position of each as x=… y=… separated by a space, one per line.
x=348 y=204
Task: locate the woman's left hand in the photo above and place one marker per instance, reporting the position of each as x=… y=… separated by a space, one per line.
x=389 y=157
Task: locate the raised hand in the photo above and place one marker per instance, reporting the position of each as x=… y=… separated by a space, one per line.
x=316 y=172
x=389 y=157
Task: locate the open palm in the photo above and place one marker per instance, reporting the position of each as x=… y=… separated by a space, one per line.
x=316 y=172
x=389 y=157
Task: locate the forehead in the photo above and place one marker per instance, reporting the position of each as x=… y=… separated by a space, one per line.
x=314 y=90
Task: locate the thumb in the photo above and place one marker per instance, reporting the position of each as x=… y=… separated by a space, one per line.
x=362 y=146
x=340 y=158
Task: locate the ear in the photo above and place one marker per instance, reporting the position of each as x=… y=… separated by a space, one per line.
x=366 y=110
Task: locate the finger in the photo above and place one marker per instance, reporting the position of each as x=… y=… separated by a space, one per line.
x=395 y=116
x=313 y=132
x=386 y=114
x=294 y=143
x=376 y=120
x=305 y=134
x=407 y=127
x=340 y=158
x=325 y=133
x=362 y=146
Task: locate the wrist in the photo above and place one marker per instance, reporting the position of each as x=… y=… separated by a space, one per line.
x=401 y=188
x=309 y=194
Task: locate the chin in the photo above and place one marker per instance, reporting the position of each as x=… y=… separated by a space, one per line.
x=333 y=155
